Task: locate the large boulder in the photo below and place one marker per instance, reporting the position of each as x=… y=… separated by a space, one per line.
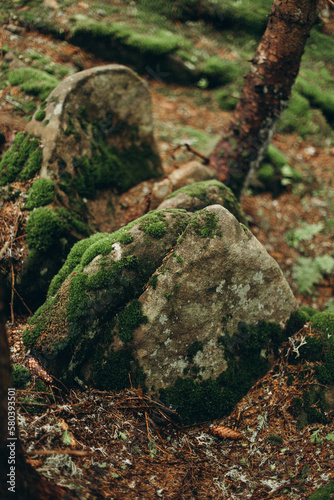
x=97 y=132
x=186 y=305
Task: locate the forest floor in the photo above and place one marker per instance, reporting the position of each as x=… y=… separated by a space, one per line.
x=127 y=445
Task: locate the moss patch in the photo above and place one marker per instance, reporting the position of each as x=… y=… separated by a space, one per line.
x=205 y=224
x=20 y=376
x=33 y=81
x=40 y=115
x=129 y=319
x=108 y=167
x=22 y=161
x=324 y=493
x=154 y=225
x=319 y=349
x=41 y=193
x=218 y=71
x=102 y=302
x=201 y=191
x=44 y=228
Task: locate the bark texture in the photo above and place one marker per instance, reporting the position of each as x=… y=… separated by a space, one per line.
x=266 y=92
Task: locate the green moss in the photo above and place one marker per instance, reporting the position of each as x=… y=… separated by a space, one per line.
x=22 y=161
x=44 y=229
x=324 y=493
x=156 y=42
x=200 y=191
x=324 y=322
x=29 y=335
x=195 y=401
x=154 y=224
x=72 y=261
x=275 y=439
x=226 y=99
x=153 y=281
x=317 y=95
x=220 y=71
x=308 y=311
x=112 y=371
x=86 y=250
x=184 y=9
x=40 y=115
x=205 y=224
x=297 y=117
x=296 y=321
x=73 y=222
x=20 y=376
x=275 y=171
x=41 y=193
x=310 y=408
x=33 y=81
x=160 y=43
x=318 y=349
x=129 y=319
x=110 y=168
x=319 y=43
x=266 y=173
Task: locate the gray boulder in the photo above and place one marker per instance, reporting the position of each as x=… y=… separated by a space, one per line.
x=187 y=305
x=97 y=133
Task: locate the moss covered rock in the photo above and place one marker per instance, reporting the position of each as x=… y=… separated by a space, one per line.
x=202 y=194
x=188 y=304
x=97 y=133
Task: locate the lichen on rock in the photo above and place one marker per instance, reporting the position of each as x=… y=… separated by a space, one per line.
x=185 y=303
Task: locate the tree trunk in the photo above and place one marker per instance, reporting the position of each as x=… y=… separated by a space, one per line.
x=266 y=92
x=18 y=480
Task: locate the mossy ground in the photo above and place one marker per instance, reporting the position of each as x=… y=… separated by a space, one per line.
x=33 y=81
x=275 y=171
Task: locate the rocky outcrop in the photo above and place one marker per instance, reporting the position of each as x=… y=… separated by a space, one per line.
x=186 y=305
